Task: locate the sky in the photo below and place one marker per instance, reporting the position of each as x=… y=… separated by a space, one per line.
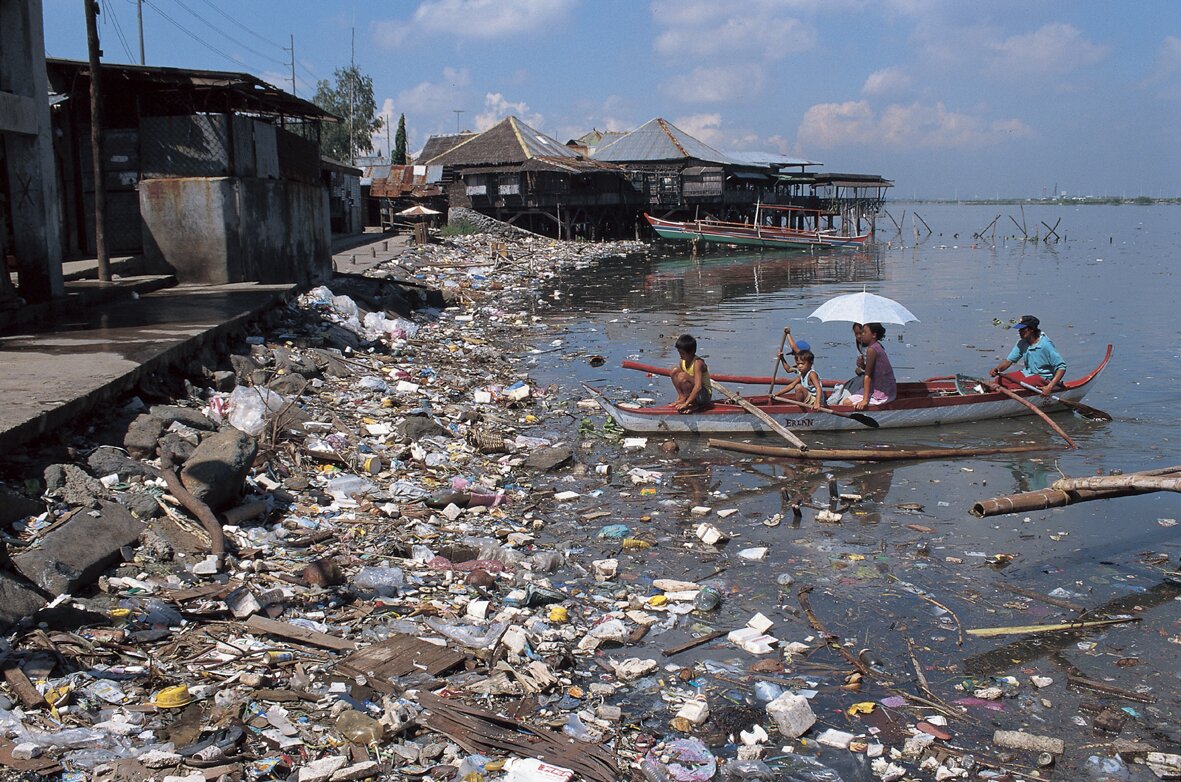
x=947 y=98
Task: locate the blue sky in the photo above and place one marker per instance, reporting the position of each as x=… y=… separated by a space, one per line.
x=948 y=98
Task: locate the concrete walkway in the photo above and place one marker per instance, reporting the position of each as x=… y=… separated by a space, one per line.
x=60 y=370
x=97 y=343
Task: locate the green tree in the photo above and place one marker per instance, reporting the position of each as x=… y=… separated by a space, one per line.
x=351 y=99
x=400 y=142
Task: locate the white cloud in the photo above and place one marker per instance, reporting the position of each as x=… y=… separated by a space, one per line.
x=704 y=127
x=474 y=19
x=718 y=83
x=749 y=42
x=1054 y=49
x=886 y=81
x=497 y=107
x=1166 y=70
x=915 y=125
x=435 y=98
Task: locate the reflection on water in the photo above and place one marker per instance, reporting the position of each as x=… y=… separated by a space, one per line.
x=1111 y=280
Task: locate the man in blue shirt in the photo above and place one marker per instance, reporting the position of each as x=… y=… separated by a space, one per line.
x=1043 y=364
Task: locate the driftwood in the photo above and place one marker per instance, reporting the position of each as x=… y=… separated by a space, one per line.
x=1147 y=482
x=871 y=454
x=992 y=632
x=195 y=506
x=831 y=639
x=1126 y=485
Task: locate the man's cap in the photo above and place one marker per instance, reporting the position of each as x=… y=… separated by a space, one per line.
x=802 y=345
x=1028 y=322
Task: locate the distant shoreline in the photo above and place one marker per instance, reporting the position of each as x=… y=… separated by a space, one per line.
x=1088 y=201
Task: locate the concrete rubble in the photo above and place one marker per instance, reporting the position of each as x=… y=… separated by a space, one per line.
x=409 y=587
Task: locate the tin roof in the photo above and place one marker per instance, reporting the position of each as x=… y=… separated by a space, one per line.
x=659 y=139
x=508 y=141
x=757 y=158
x=233 y=91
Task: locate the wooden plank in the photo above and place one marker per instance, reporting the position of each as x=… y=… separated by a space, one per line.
x=20 y=684
x=259 y=624
x=399 y=655
x=692 y=643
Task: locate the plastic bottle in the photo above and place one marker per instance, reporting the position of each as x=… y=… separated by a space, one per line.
x=707 y=599
x=359 y=728
x=384 y=581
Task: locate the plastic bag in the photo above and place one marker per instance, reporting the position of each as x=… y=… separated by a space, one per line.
x=251 y=407
x=384 y=581
x=470 y=635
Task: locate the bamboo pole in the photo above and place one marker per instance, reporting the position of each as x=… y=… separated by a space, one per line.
x=870 y=454
x=1034 y=408
x=1058 y=497
x=1151 y=483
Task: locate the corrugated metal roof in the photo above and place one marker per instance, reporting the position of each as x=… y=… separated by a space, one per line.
x=757 y=158
x=508 y=141
x=659 y=139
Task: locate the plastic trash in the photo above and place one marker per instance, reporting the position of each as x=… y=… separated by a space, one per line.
x=742 y=770
x=383 y=581
x=250 y=407
x=470 y=635
x=359 y=728
x=689 y=760
x=348 y=485
x=766 y=692
x=578 y=730
x=707 y=599
x=1101 y=769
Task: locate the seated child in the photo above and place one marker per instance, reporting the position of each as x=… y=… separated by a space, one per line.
x=691 y=377
x=805 y=388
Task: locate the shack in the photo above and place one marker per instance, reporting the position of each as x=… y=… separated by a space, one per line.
x=519 y=175
x=213 y=176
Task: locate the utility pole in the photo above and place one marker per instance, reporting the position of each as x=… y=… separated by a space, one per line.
x=292 y=50
x=389 y=148
x=457 y=113
x=139 y=10
x=96 y=142
x=352 y=94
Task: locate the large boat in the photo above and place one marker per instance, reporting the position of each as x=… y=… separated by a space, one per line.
x=923 y=403
x=759 y=232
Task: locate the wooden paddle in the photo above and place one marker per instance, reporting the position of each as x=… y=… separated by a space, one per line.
x=778 y=361
x=860 y=418
x=1084 y=410
x=775 y=426
x=1017 y=397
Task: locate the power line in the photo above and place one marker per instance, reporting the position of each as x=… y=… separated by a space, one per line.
x=244 y=27
x=194 y=36
x=228 y=37
x=110 y=8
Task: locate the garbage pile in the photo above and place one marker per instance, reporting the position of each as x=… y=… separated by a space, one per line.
x=374 y=548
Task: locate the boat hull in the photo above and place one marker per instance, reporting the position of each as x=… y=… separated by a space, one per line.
x=756 y=236
x=926 y=403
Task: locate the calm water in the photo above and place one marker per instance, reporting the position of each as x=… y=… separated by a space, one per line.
x=1112 y=280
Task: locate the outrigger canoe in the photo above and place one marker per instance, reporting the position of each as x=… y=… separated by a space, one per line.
x=755 y=234
x=925 y=403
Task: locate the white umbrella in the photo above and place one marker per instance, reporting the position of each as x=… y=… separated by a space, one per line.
x=863 y=308
x=417 y=211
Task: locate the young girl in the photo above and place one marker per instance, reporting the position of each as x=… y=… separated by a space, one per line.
x=879 y=385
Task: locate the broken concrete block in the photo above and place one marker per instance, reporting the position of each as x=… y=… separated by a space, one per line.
x=77 y=552
x=217 y=468
x=792 y=714
x=1017 y=739
x=18 y=599
x=363 y=770
x=142 y=436
x=167 y=414
x=546 y=459
x=322 y=770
